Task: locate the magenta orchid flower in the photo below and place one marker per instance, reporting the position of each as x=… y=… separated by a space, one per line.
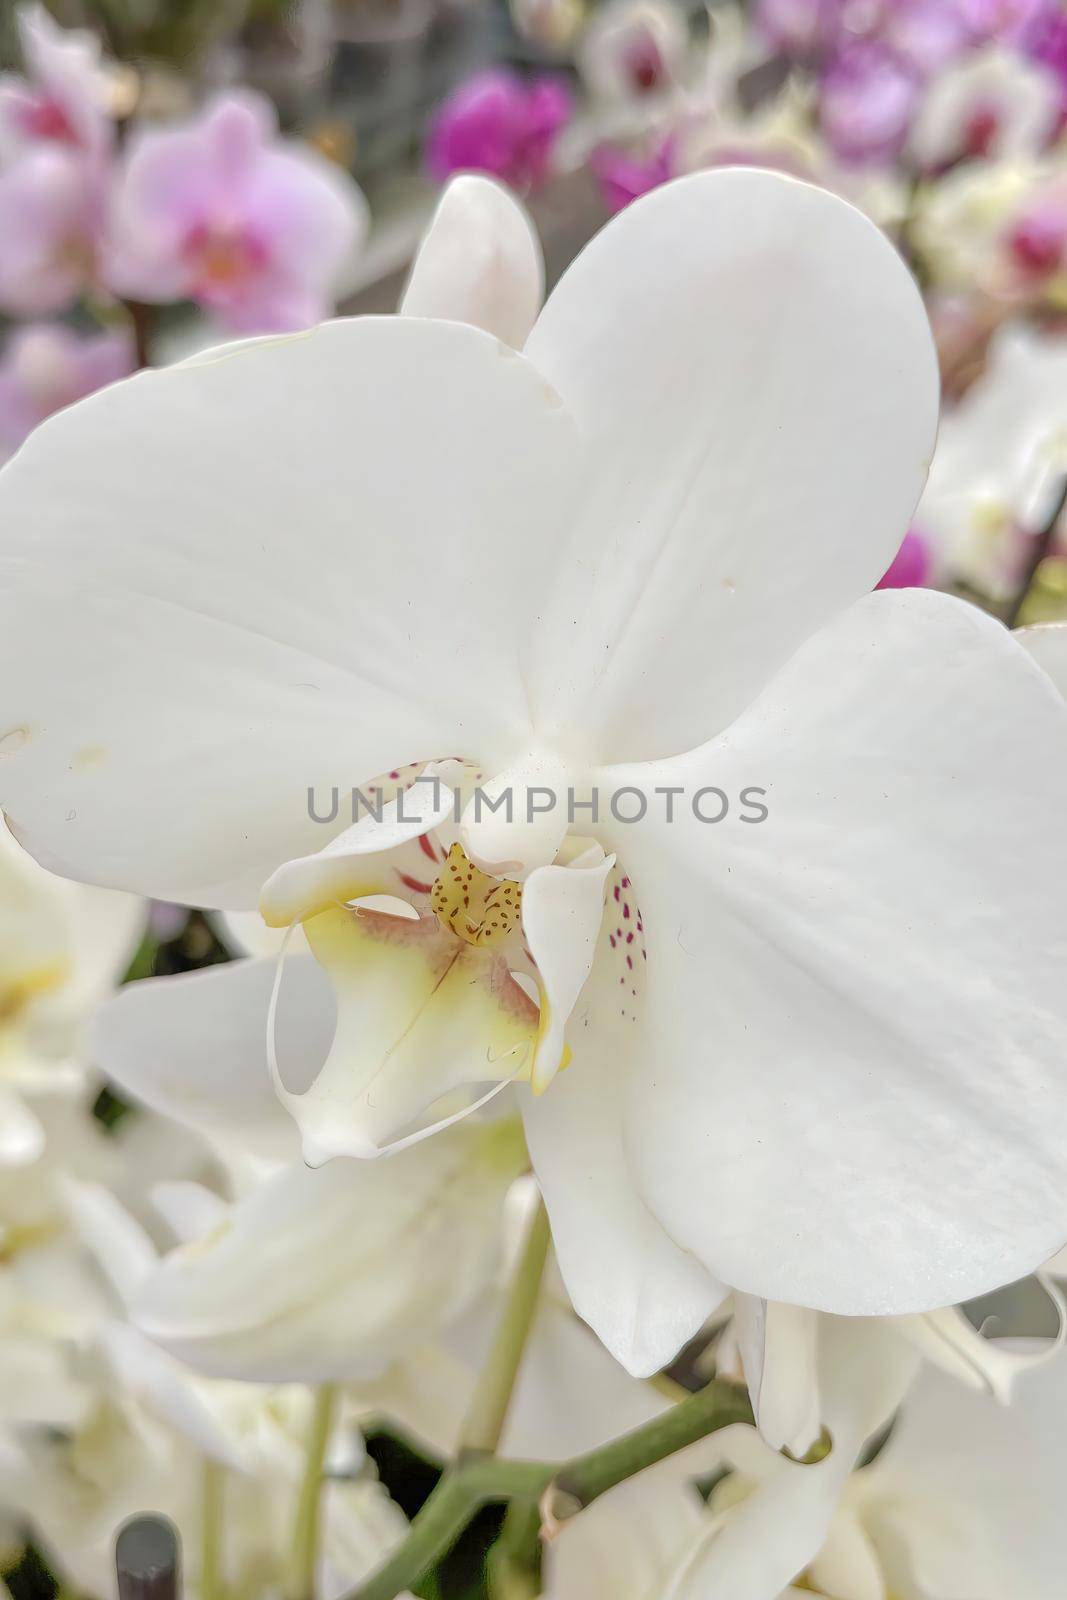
x=910 y=567
x=623 y=178
x=222 y=211
x=45 y=366
x=499 y=124
x=62 y=97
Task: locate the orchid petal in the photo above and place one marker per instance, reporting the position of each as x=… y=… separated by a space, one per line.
x=479 y=262
x=778 y=1345
x=627 y=1277
x=335 y=1273
x=833 y=992
x=224 y=555
x=959 y=1489
x=338 y=872
x=189 y=1209
x=22 y=1136
x=735 y=512
x=848 y=1563
x=420 y=1015
x=118 y=1244
x=989 y=1361
x=562 y=909
x=1047 y=643
x=754 y=1551
x=625 y=1543
x=194 y=1047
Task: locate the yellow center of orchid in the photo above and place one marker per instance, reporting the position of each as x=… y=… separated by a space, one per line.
x=480 y=910
x=16 y=993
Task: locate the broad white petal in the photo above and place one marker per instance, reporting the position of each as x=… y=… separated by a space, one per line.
x=753 y=1551
x=753 y=373
x=625 y=1544
x=325 y=552
x=562 y=909
x=779 y=1353
x=194 y=1047
x=859 y=1002
x=848 y=1563
x=190 y=1210
x=479 y=262
x=118 y=1244
x=963 y=1488
x=627 y=1277
x=335 y=1273
x=1047 y=643
x=572 y=1395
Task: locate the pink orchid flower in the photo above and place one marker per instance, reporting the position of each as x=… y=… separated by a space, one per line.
x=45 y=366
x=62 y=97
x=220 y=210
x=51 y=213
x=500 y=124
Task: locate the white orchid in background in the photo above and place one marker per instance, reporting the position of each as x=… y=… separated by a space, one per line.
x=997 y=228
x=656 y=1538
x=1000 y=463
x=63 y=947
x=311 y=1275
x=991 y=104
x=634 y=49
x=817 y=1060
x=950 y=1504
x=779 y=1350
x=255 y=1436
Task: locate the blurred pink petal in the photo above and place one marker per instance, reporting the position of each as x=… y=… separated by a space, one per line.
x=222 y=211
x=63 y=96
x=498 y=123
x=623 y=178
x=50 y=216
x=910 y=567
x=868 y=99
x=45 y=366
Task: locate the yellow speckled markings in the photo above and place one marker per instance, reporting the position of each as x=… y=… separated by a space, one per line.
x=480 y=910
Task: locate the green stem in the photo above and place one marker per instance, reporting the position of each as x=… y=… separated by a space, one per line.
x=492 y=1396
x=578 y=1482
x=212 y=1480
x=514 y=1565
x=717 y=1405
x=303 y=1559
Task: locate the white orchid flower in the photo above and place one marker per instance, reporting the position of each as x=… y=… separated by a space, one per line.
x=990 y=104
x=1001 y=459
x=634 y=49
x=777 y=1350
x=654 y=1538
x=144 y=1423
x=652 y=532
x=51 y=1303
x=966 y=228
x=63 y=946
x=951 y=1505
x=311 y=1275
x=74 y=1490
